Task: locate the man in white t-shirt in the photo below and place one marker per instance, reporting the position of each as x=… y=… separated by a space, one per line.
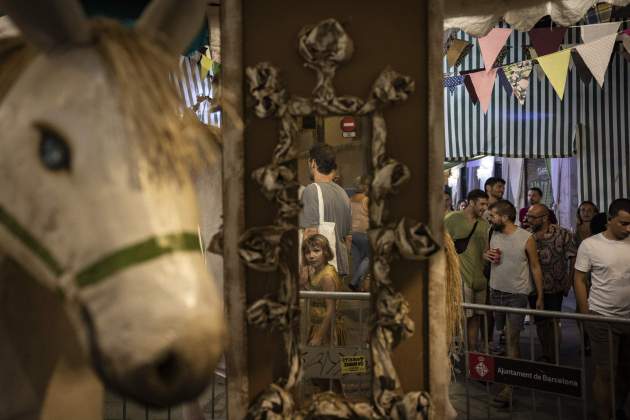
x=607 y=257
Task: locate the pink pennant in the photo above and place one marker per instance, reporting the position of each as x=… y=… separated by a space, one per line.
x=483 y=81
x=547 y=40
x=626 y=32
x=492 y=44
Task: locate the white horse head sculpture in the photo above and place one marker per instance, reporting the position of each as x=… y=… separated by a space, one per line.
x=83 y=212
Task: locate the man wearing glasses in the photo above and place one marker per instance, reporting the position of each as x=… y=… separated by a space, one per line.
x=556 y=252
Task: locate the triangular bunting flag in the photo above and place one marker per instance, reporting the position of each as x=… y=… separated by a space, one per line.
x=567 y=47
x=452 y=82
x=503 y=81
x=469 y=85
x=570 y=47
x=547 y=40
x=596 y=56
x=484 y=83
x=456 y=51
x=492 y=44
x=501 y=56
x=531 y=52
x=206 y=65
x=216 y=68
x=517 y=75
x=471 y=90
x=583 y=72
x=626 y=32
x=556 y=66
x=593 y=32
x=447 y=38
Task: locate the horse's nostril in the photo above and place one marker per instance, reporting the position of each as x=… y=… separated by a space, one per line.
x=167 y=368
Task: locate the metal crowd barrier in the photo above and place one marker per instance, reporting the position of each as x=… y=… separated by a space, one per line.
x=309 y=294
x=216 y=406
x=580 y=319
x=339 y=360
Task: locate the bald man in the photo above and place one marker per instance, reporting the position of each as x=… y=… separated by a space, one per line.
x=556 y=252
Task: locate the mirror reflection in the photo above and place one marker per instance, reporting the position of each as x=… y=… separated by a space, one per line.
x=334 y=255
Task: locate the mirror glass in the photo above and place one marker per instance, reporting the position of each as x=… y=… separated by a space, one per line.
x=334 y=329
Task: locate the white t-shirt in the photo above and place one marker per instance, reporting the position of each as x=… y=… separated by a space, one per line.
x=609 y=264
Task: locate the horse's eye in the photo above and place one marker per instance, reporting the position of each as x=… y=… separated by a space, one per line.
x=54 y=152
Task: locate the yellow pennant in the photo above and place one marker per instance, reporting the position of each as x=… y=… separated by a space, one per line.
x=556 y=66
x=206 y=65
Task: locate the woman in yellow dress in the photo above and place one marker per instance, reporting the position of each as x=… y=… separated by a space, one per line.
x=318 y=275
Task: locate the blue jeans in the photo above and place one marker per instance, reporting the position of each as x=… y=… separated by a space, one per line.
x=360 y=257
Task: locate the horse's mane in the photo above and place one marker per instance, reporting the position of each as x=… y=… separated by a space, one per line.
x=169 y=135
x=172 y=139
x=15 y=55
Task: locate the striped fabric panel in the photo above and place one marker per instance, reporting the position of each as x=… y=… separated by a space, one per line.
x=544 y=127
x=591 y=122
x=191 y=85
x=604 y=141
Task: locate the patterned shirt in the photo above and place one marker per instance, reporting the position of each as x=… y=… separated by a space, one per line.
x=555 y=249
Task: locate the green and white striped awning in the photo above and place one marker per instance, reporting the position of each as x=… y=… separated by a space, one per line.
x=591 y=123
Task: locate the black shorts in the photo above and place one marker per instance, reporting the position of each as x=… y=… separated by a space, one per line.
x=600 y=342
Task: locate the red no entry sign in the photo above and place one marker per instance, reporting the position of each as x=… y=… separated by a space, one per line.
x=348 y=124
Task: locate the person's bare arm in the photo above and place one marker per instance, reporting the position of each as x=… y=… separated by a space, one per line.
x=534 y=266
x=305 y=272
x=310 y=231
x=580 y=287
x=328 y=285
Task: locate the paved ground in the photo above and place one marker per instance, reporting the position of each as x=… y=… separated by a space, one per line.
x=527 y=404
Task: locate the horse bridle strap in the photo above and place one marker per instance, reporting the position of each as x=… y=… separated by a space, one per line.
x=30 y=242
x=108 y=265
x=131 y=255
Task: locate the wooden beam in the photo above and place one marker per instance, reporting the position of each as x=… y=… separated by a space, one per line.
x=438 y=352
x=233 y=207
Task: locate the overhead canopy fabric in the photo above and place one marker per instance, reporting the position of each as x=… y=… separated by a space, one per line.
x=604 y=141
x=195 y=90
x=479 y=17
x=591 y=123
x=543 y=127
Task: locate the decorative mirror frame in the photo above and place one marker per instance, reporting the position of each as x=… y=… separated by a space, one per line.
x=324 y=47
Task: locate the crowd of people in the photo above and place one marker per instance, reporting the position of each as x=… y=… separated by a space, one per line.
x=508 y=257
x=531 y=261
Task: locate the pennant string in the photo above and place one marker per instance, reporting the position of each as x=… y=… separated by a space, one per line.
x=579 y=26
x=535 y=60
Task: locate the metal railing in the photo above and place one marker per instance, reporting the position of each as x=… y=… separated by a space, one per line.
x=332 y=348
x=212 y=405
x=555 y=316
x=310 y=294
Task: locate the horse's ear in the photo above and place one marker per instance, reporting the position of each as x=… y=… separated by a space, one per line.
x=49 y=23
x=175 y=21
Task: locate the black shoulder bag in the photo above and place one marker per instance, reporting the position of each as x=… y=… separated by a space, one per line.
x=462 y=244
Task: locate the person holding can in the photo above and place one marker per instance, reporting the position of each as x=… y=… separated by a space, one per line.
x=514 y=261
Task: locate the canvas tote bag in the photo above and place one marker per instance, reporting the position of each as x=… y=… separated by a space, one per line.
x=324 y=228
